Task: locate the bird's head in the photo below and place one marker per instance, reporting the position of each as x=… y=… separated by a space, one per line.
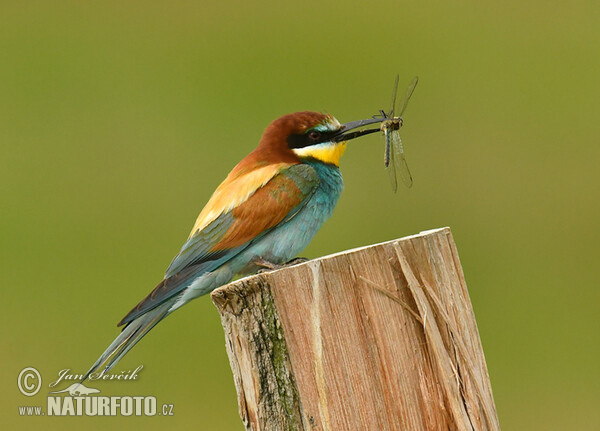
x=312 y=135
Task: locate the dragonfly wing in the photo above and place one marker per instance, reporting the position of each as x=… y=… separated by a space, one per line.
x=394 y=152
x=400 y=160
x=407 y=94
x=394 y=94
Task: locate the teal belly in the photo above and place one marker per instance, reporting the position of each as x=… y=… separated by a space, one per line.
x=285 y=242
x=282 y=243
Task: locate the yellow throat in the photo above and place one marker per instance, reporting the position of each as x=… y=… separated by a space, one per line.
x=328 y=152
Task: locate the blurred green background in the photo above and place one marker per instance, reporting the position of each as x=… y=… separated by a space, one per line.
x=118 y=120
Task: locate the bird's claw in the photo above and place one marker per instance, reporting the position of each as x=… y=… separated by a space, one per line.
x=265 y=264
x=270 y=266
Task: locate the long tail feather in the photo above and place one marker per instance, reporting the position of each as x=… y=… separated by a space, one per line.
x=128 y=338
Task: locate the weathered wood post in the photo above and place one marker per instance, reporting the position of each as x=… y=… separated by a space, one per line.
x=377 y=338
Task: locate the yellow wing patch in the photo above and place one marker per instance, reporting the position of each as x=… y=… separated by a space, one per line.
x=234 y=191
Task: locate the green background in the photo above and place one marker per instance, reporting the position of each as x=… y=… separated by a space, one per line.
x=118 y=120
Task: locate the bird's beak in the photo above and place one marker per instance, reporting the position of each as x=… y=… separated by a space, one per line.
x=348 y=131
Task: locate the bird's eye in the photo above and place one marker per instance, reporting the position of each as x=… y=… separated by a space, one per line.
x=314 y=135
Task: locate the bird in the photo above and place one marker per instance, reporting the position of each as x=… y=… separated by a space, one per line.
x=265 y=212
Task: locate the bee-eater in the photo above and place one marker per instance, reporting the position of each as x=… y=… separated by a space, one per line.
x=268 y=209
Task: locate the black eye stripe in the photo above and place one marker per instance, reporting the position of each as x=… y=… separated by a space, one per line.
x=302 y=140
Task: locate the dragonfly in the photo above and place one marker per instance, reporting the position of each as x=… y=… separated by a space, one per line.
x=389 y=124
x=394 y=159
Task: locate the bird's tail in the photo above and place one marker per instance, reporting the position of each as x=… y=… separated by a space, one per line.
x=128 y=338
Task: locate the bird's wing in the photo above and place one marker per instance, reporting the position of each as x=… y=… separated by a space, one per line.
x=275 y=201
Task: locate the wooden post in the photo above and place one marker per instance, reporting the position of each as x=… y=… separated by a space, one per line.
x=377 y=338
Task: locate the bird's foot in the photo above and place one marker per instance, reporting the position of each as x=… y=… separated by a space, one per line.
x=264 y=264
x=270 y=266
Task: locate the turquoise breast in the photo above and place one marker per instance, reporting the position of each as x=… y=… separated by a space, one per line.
x=285 y=242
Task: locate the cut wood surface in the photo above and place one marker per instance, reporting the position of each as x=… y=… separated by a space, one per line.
x=377 y=338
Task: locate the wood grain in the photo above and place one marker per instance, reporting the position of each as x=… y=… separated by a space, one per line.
x=377 y=338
